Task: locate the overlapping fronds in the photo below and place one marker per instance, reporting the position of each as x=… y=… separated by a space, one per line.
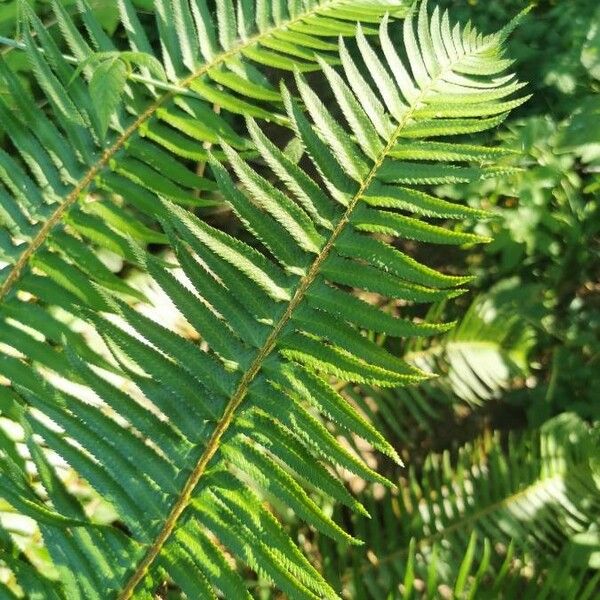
x=140 y=150
x=481 y=355
x=476 y=361
x=194 y=439
x=488 y=523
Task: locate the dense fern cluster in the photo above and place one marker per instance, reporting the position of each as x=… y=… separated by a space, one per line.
x=194 y=444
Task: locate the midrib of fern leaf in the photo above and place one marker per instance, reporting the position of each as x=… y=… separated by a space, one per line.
x=240 y=417
x=415 y=104
x=182 y=40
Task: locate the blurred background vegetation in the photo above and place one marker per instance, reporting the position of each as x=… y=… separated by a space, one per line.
x=527 y=353
x=527 y=345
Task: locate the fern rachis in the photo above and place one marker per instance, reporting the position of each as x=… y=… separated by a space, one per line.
x=242 y=389
x=302 y=287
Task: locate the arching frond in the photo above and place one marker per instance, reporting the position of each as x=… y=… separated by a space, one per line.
x=195 y=439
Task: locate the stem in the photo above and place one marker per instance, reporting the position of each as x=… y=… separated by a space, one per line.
x=161 y=85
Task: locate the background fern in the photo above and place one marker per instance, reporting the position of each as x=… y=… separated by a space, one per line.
x=486 y=522
x=479 y=360
x=141 y=461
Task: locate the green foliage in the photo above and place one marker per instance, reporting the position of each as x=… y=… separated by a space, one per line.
x=108 y=77
x=481 y=355
x=105 y=11
x=479 y=360
x=237 y=420
x=231 y=238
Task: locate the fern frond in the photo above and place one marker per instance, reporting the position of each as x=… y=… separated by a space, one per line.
x=484 y=524
x=482 y=355
x=198 y=437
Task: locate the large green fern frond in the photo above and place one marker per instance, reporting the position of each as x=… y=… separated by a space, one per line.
x=192 y=440
x=484 y=522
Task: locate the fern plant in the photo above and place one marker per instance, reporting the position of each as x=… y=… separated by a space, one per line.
x=481 y=355
x=191 y=443
x=506 y=516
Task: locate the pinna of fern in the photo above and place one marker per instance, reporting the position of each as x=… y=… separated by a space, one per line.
x=187 y=451
x=508 y=515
